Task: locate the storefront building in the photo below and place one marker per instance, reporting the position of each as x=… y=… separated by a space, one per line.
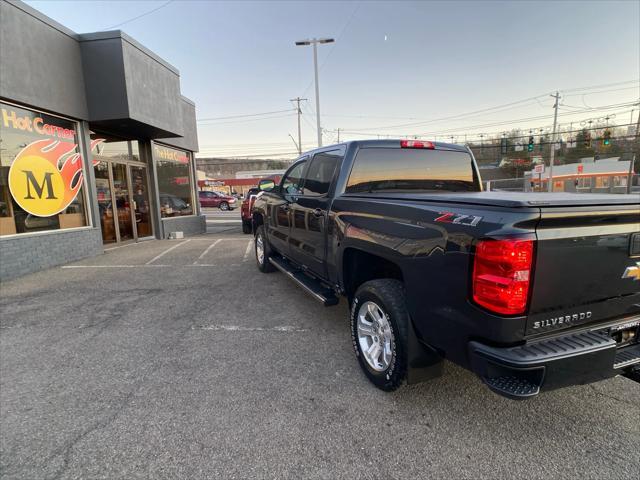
x=96 y=144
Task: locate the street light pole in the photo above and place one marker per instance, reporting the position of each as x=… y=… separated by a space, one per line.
x=315 y=42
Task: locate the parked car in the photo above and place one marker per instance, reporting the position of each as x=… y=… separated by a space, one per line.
x=245 y=209
x=217 y=199
x=516 y=287
x=171 y=205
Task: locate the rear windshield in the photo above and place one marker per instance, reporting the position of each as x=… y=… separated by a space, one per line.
x=400 y=169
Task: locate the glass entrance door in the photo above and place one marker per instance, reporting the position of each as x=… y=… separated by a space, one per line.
x=141 y=205
x=123 y=201
x=122 y=197
x=105 y=202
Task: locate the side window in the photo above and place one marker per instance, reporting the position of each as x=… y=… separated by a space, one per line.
x=320 y=173
x=292 y=181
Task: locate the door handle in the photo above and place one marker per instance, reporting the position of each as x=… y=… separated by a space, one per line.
x=318 y=212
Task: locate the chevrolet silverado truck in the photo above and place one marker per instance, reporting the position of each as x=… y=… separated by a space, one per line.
x=531 y=291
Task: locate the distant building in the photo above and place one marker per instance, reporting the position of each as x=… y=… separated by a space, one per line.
x=609 y=175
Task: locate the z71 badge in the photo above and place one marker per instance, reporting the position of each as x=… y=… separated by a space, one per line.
x=458 y=218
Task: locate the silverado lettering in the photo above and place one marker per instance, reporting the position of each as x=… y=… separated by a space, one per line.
x=552 y=322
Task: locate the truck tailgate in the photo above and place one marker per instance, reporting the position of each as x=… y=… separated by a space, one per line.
x=582 y=255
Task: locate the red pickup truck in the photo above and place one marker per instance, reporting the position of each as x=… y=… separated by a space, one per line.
x=245 y=209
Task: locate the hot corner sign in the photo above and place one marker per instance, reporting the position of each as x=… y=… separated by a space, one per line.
x=165 y=153
x=538 y=169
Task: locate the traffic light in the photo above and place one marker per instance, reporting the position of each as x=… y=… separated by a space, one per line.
x=541 y=143
x=606 y=140
x=503 y=146
x=530 y=146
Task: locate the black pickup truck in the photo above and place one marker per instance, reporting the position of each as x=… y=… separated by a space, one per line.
x=531 y=291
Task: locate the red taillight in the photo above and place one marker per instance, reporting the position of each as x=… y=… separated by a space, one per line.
x=501 y=275
x=416 y=144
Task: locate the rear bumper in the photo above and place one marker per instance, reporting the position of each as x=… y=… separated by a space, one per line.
x=523 y=371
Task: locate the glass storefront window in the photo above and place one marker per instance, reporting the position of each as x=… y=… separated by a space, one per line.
x=41 y=172
x=174 y=181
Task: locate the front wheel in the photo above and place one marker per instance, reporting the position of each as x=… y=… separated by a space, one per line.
x=263 y=251
x=379 y=322
x=224 y=206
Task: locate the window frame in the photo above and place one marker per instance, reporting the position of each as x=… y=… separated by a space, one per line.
x=302 y=160
x=85 y=153
x=195 y=207
x=476 y=178
x=333 y=176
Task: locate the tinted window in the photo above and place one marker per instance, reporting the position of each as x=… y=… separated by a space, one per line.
x=395 y=169
x=293 y=180
x=320 y=173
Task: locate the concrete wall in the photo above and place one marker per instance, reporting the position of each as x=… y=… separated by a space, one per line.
x=190 y=139
x=40 y=62
x=106 y=88
x=153 y=90
x=192 y=225
x=23 y=254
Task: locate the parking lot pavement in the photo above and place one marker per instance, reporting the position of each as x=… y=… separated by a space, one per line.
x=178 y=359
x=223 y=222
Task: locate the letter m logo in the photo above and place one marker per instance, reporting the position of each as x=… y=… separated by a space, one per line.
x=39 y=189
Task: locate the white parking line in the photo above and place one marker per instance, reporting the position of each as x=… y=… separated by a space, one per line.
x=239 y=328
x=157 y=257
x=247 y=251
x=207 y=250
x=114 y=266
x=123 y=246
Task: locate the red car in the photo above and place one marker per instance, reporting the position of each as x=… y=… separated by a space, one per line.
x=217 y=199
x=245 y=209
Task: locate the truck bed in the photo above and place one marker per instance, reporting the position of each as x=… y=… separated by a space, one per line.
x=509 y=199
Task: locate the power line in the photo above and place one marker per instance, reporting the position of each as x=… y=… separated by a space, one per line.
x=259 y=155
x=519 y=103
x=141 y=15
x=243 y=116
x=247 y=121
x=498 y=123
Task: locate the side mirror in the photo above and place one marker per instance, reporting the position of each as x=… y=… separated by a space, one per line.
x=266 y=185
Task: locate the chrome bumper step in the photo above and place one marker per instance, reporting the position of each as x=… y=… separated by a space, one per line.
x=627 y=357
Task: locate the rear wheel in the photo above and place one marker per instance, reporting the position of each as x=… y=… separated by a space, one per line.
x=263 y=251
x=224 y=206
x=379 y=321
x=246 y=226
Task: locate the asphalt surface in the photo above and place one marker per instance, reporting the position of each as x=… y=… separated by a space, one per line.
x=178 y=359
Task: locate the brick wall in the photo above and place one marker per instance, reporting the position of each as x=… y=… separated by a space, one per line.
x=192 y=225
x=25 y=254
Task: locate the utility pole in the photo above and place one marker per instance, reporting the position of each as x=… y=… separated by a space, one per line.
x=298 y=100
x=552 y=154
x=633 y=160
x=338 y=135
x=314 y=42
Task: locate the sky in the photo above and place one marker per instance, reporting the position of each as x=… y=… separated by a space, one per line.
x=396 y=68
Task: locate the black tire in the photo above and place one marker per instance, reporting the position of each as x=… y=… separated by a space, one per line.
x=223 y=206
x=389 y=296
x=246 y=226
x=266 y=266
